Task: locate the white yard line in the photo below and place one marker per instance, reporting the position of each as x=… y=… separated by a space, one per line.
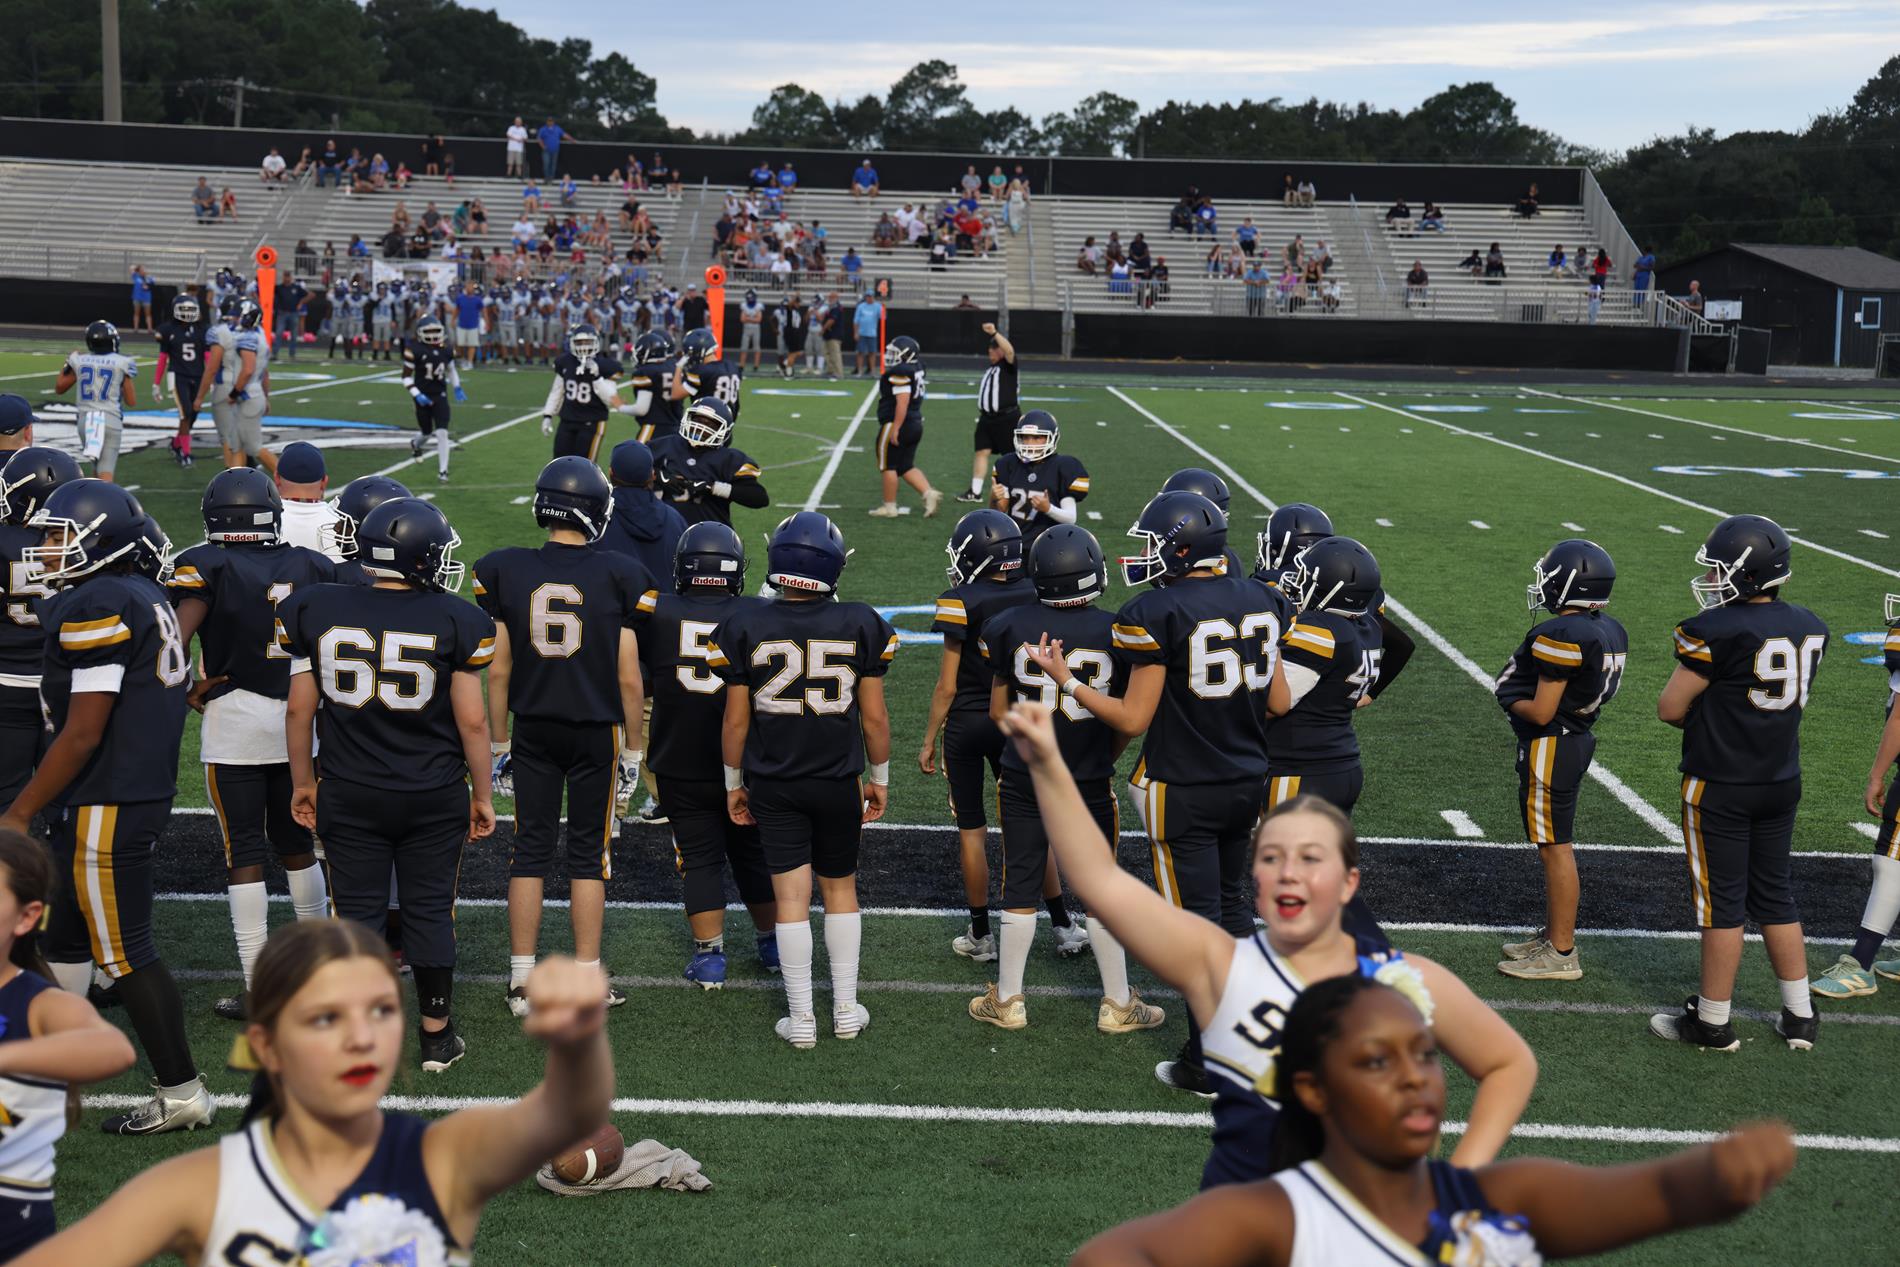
x=428 y=454
x=1462 y=824
x=1625 y=480
x=817 y=494
x=1712 y=426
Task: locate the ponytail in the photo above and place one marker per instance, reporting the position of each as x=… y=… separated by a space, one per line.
x=29 y=877
x=1312 y=1023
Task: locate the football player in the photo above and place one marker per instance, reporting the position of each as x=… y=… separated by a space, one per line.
x=113 y=685
x=239 y=390
x=986 y=577
x=703 y=371
x=583 y=394
x=226 y=592
x=346 y=323
x=182 y=341
x=360 y=496
x=1854 y=973
x=688 y=710
x=900 y=416
x=567 y=665
x=997 y=410
x=106 y=378
x=1290 y=529
x=28 y=478
x=391 y=673
x=1553 y=690
x=1744 y=667
x=1068 y=575
x=805 y=715
x=1202 y=648
x=429 y=376
x=384 y=310
x=1037 y=486
x=700 y=472
x=653 y=401
x=1193 y=479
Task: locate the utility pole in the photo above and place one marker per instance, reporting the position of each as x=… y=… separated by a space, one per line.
x=113 y=98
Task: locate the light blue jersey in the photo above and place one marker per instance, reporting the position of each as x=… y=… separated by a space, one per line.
x=102 y=377
x=254 y=342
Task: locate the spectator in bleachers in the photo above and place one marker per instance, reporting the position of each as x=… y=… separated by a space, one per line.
x=1216 y=261
x=549 y=137
x=531 y=198
x=141 y=297
x=1295 y=253
x=1324 y=254
x=1600 y=268
x=204 y=202
x=1257 y=279
x=787 y=178
x=273 y=170
x=1640 y=279
x=523 y=233
x=305 y=164
x=1694 y=299
x=1139 y=256
x=419 y=244
x=1309 y=192
x=354 y=164
x=1399 y=215
x=329 y=164
x=432 y=147
x=1311 y=277
x=1287 y=292
x=403 y=175
x=1431 y=220
x=358 y=168
x=1206 y=219
x=998 y=183
x=400 y=216
x=458 y=218
x=851 y=266
x=965 y=304
x=477 y=217
x=359 y=249
x=722 y=234
x=1415 y=283
x=1472 y=263
x=1558 y=264
x=1289 y=191
x=1181 y=215
x=943 y=250
x=1329 y=294
x=1527 y=205
x=445 y=159
x=1120 y=278
x=570 y=192
x=304 y=258
x=970 y=183
x=1017 y=213
x=864 y=181
x=866 y=321
x=378 y=172
x=1089 y=258
x=658 y=173
x=517 y=149
x=1019 y=176
x=227 y=205
x=762 y=178
x=1112 y=250
x=599 y=236
x=1494 y=262
x=328 y=262
x=1247 y=237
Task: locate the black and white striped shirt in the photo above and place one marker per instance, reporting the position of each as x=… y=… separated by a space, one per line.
x=997 y=392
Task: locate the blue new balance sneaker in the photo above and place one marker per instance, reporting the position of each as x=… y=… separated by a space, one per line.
x=708 y=968
x=768 y=952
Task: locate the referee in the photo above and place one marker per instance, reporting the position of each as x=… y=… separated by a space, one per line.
x=997 y=411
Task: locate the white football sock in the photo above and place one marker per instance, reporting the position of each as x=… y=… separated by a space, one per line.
x=1713 y=1012
x=442 y=452
x=250 y=921
x=794 y=962
x=1112 y=961
x=976 y=483
x=308 y=896
x=1795 y=996
x=73 y=977
x=519 y=966
x=1018 y=935
x=1883 y=898
x=843 y=936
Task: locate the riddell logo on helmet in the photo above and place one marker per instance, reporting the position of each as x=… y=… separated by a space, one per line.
x=700 y=579
x=799 y=583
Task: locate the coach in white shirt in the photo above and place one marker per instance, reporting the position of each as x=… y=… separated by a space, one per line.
x=517 y=148
x=301 y=480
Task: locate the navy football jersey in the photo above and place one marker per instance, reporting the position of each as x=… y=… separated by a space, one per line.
x=1343 y=654
x=242 y=585
x=719 y=379
x=962 y=613
x=689 y=696
x=1058 y=476
x=563 y=607
x=1891 y=660
x=673 y=458
x=802 y=659
x=383 y=660
x=116 y=634
x=663 y=414
x=1219 y=637
x=1760 y=659
x=1586 y=650
x=426 y=369
x=22 y=642
x=1088 y=646
x=580 y=401
x=901 y=380
x=184 y=347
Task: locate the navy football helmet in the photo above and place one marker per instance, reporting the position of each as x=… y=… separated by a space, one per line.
x=1290 y=530
x=89 y=524
x=1336 y=574
x=430 y=332
x=1036 y=435
x=102 y=337
x=709 y=555
x=408 y=539
x=698 y=346
x=583 y=341
x=29 y=476
x=571 y=492
x=1193 y=479
x=1746 y=555
x=902 y=350
x=1179 y=532
x=805 y=552
x=360 y=496
x=655 y=347
x=185 y=310
x=1572 y=573
x=152 y=556
x=708 y=424
x=249 y=315
x=983 y=542
x=1067 y=568
x=242 y=505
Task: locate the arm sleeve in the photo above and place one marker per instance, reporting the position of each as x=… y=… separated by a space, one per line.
x=1892 y=650
x=642 y=397
x=94 y=642
x=1063 y=512
x=554 y=397
x=408 y=368
x=455 y=376
x=1556 y=657
x=1398 y=653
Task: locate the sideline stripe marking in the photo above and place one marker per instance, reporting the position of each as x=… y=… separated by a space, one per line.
x=1655 y=818
x=838 y=451
x=1842 y=404
x=1638 y=485
x=1716 y=426
x=1462 y=824
x=908 y=1113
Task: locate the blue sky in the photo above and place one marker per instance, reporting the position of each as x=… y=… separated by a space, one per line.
x=1612 y=73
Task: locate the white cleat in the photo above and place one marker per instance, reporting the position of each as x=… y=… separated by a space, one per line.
x=982 y=949
x=1071 y=940
x=850 y=1020
x=164 y=1113
x=800 y=1031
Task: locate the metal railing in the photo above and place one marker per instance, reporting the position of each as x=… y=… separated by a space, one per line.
x=1667 y=310
x=1206 y=297
x=1373 y=250
x=74 y=263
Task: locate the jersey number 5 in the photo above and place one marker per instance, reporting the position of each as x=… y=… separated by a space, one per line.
x=352 y=682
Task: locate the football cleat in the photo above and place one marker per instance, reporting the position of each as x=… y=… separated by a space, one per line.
x=768 y=952
x=848 y=1020
x=1846 y=979
x=1182 y=1076
x=970 y=946
x=615 y=996
x=1888 y=968
x=967 y=496
x=163 y=1113
x=933 y=498
x=1545 y=965
x=707 y=969
x=1125 y=1018
x=1003 y=1013
x=1687 y=1027
x=230 y=1008
x=800 y=1031
x=442 y=1048
x=1524 y=949
x=1798 y=1031
x=883 y=512
x=517 y=1002
x=1071 y=939
x=415 y=445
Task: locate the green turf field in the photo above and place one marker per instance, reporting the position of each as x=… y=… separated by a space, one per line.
x=1035 y=1139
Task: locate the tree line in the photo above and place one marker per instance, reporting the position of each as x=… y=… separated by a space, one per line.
x=437 y=66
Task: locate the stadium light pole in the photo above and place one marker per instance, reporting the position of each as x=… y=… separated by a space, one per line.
x=113 y=103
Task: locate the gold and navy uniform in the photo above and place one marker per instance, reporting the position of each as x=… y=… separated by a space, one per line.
x=582 y=416
x=1199 y=783
x=1332 y=1226
x=663 y=413
x=32 y=1120
x=114 y=634
x=970 y=739
x=674 y=459
x=1058 y=476
x=689 y=709
x=1586 y=650
x=394 y=780
x=1314 y=748
x=1087 y=745
x=802 y=661
x=23 y=734
x=1741 y=755
x=719 y=379
x=897 y=442
x=431 y=370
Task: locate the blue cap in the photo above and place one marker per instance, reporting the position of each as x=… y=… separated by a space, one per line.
x=300 y=463
x=632 y=463
x=15 y=415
